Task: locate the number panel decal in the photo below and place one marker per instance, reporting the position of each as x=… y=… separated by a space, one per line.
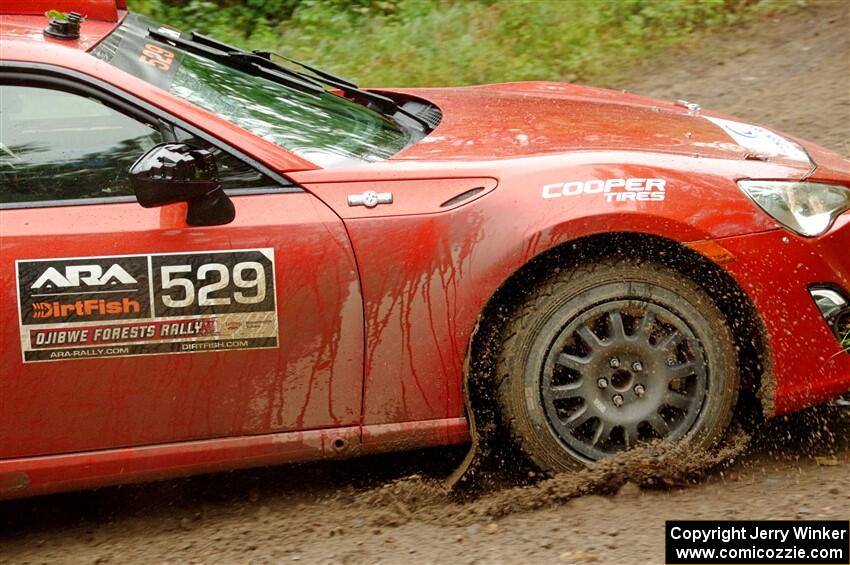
x=212 y=283
x=90 y=307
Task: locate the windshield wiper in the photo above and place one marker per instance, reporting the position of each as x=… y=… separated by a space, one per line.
x=261 y=62
x=209 y=41
x=382 y=103
x=244 y=61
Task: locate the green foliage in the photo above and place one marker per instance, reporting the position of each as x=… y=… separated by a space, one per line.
x=55 y=15
x=451 y=42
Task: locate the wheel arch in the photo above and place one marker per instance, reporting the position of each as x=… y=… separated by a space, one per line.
x=746 y=324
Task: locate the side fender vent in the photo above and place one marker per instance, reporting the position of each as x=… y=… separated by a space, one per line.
x=461 y=197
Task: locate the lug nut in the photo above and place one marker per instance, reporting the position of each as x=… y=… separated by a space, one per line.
x=603 y=383
x=637 y=367
x=614 y=362
x=640 y=390
x=617 y=400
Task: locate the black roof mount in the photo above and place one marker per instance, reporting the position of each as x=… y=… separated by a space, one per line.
x=66 y=28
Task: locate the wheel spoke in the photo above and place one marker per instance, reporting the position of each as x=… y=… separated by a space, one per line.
x=630 y=435
x=601 y=433
x=677 y=400
x=681 y=371
x=646 y=325
x=616 y=330
x=578 y=417
x=577 y=364
x=589 y=337
x=670 y=341
x=659 y=425
x=571 y=390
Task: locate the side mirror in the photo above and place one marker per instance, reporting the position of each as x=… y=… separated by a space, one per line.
x=177 y=172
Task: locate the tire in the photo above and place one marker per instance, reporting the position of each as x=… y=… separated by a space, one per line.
x=618 y=328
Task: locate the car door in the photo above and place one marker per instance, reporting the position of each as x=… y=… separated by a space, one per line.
x=124 y=326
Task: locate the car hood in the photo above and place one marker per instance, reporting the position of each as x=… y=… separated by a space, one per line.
x=538 y=118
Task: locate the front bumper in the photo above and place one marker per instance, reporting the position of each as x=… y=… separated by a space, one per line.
x=776 y=269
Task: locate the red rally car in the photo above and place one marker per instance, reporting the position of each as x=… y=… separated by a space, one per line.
x=215 y=258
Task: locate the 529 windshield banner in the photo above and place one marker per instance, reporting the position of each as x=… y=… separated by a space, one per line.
x=125 y=305
x=763 y=542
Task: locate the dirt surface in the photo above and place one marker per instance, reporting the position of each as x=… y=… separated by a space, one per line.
x=791 y=72
x=375 y=511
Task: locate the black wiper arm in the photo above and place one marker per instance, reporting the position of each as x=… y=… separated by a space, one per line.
x=337 y=80
x=316 y=71
x=260 y=62
x=245 y=61
x=383 y=104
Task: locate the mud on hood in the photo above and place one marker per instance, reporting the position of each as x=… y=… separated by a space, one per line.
x=537 y=118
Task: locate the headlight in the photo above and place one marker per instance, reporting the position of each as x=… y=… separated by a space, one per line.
x=807 y=208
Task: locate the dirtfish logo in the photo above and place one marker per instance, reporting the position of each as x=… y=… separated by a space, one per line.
x=88 y=275
x=85 y=308
x=614 y=190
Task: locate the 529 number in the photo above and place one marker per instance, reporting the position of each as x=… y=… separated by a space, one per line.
x=212 y=278
x=157 y=57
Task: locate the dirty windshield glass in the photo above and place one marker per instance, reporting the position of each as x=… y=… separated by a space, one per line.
x=326 y=129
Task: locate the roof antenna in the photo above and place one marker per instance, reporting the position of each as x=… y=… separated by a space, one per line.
x=64 y=26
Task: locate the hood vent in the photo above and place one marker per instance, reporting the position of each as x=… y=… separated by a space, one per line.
x=432 y=115
x=429 y=113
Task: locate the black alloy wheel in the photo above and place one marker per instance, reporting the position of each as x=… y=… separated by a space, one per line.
x=601 y=359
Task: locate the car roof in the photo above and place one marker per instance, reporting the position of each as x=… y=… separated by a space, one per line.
x=103 y=10
x=28 y=31
x=24 y=21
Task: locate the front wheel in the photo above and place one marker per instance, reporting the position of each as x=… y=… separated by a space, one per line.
x=601 y=358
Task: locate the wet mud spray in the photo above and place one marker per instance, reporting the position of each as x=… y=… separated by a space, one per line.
x=657 y=466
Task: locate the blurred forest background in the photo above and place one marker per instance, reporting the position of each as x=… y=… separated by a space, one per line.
x=455 y=42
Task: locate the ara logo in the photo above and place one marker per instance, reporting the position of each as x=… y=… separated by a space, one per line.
x=88 y=275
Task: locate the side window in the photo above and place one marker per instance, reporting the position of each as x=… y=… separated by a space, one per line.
x=233 y=173
x=55 y=145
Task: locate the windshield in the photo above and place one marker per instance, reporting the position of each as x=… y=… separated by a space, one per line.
x=327 y=130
